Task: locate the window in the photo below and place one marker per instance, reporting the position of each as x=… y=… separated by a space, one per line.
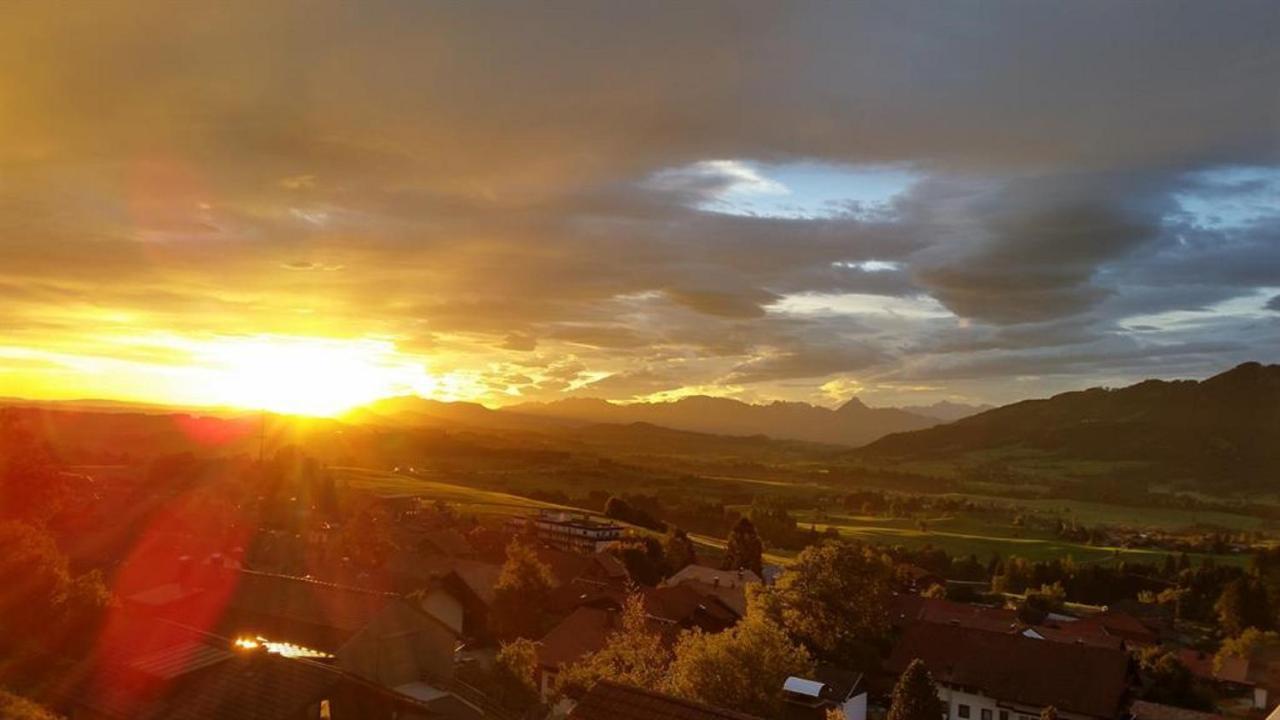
x=963 y=711
x=1004 y=715
x=986 y=714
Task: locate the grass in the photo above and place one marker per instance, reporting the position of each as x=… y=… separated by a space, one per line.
x=1094 y=513
x=960 y=536
x=467 y=500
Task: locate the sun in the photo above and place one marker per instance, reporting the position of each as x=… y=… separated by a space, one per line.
x=307 y=376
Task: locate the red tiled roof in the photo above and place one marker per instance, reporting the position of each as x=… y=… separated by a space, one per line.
x=1071 y=677
x=1122 y=625
x=612 y=701
x=584 y=631
x=687 y=606
x=913 y=608
x=1234 y=669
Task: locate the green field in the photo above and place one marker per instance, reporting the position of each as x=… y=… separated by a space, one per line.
x=466 y=499
x=961 y=536
x=1094 y=513
x=957 y=535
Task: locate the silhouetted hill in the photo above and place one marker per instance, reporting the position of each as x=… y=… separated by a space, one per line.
x=1223 y=429
x=851 y=424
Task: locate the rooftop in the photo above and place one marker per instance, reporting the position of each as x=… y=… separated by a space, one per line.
x=1071 y=677
x=612 y=701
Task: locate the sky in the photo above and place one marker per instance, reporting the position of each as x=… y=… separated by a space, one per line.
x=303 y=206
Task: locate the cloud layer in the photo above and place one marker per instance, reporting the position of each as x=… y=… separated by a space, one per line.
x=626 y=199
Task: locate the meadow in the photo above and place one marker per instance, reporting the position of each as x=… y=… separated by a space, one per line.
x=959 y=535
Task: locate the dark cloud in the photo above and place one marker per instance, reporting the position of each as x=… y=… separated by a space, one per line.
x=805 y=362
x=509 y=186
x=1274 y=303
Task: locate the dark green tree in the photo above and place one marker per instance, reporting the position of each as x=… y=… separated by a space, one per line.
x=915 y=697
x=679 y=550
x=520 y=595
x=835 y=599
x=744 y=551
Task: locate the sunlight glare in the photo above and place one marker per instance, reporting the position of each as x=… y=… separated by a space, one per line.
x=308 y=376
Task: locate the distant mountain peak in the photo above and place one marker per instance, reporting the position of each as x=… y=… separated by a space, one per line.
x=853 y=404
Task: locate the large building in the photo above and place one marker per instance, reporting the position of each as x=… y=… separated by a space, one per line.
x=984 y=675
x=574 y=530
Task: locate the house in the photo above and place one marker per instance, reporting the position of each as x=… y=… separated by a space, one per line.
x=447 y=542
x=1143 y=710
x=728 y=585
x=1233 y=676
x=1111 y=629
x=830 y=690
x=587 y=628
x=613 y=701
x=158 y=670
x=574 y=531
x=567 y=565
x=378 y=636
x=461 y=596
x=983 y=675
x=912 y=609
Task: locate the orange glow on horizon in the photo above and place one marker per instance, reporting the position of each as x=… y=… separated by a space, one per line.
x=285 y=374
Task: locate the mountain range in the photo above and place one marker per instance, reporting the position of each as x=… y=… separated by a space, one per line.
x=1225 y=428
x=853 y=423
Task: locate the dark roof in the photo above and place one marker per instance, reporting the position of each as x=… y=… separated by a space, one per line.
x=689 y=607
x=913 y=608
x=1118 y=623
x=584 y=631
x=299 y=610
x=145 y=670
x=448 y=541
x=263 y=686
x=612 y=701
x=1072 y=677
x=840 y=684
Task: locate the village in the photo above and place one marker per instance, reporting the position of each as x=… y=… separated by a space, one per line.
x=440 y=619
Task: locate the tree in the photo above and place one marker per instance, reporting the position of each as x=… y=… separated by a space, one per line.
x=635 y=654
x=515 y=673
x=366 y=537
x=679 y=550
x=644 y=559
x=31 y=488
x=1242 y=604
x=915 y=697
x=520 y=595
x=742 y=668
x=835 y=600
x=1245 y=645
x=744 y=551
x=15 y=707
x=1168 y=681
x=41 y=602
x=1037 y=604
x=1049 y=713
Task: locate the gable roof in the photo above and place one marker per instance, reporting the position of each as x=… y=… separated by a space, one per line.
x=155 y=669
x=584 y=631
x=713 y=576
x=613 y=701
x=299 y=610
x=1071 y=677
x=949 y=613
x=1234 y=669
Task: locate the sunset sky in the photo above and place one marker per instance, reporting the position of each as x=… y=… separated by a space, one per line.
x=305 y=206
